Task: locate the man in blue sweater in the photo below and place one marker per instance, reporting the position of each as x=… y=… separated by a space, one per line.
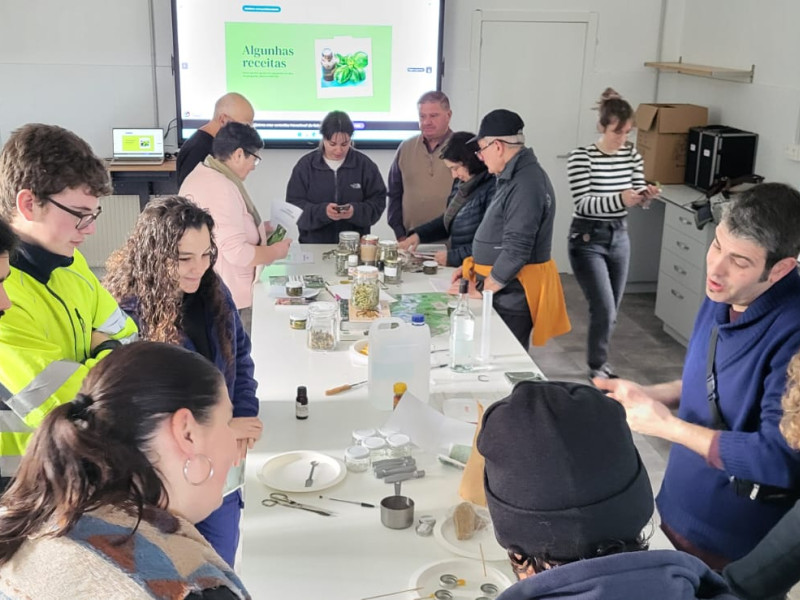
x=731 y=475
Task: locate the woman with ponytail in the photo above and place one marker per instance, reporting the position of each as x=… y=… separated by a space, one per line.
x=105 y=499
x=606 y=179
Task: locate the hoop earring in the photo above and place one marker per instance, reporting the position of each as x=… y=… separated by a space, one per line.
x=187 y=464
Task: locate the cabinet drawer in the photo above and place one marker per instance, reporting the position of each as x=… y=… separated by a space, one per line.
x=688 y=248
x=682 y=271
x=676 y=305
x=683 y=220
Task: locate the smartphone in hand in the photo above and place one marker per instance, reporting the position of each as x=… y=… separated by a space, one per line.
x=277 y=235
x=340 y=208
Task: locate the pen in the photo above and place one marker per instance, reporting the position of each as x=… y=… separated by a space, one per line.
x=336 y=296
x=364 y=504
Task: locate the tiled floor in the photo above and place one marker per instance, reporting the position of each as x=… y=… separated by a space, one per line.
x=640 y=351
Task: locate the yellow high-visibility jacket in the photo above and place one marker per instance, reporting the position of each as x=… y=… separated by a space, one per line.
x=45 y=340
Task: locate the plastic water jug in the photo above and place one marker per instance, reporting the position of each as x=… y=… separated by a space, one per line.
x=399 y=351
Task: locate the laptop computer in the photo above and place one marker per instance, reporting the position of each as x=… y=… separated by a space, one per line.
x=138 y=146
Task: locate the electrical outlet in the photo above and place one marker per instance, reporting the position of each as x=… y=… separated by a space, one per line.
x=793 y=152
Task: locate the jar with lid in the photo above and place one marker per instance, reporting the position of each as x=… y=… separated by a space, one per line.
x=359 y=435
x=349 y=241
x=389 y=257
x=366 y=290
x=369 y=249
x=356 y=459
x=376 y=447
x=322 y=326
x=399 y=445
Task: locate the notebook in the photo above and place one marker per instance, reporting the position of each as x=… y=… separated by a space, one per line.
x=138 y=146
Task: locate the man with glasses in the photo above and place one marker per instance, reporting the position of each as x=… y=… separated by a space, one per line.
x=229 y=108
x=511 y=248
x=61 y=320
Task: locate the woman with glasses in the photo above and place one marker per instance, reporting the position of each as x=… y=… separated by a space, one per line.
x=337 y=187
x=606 y=179
x=106 y=499
x=473 y=190
x=217 y=184
x=164 y=278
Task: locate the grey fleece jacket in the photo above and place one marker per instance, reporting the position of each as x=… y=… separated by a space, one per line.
x=517 y=228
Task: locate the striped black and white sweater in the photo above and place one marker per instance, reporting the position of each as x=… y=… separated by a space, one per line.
x=597 y=180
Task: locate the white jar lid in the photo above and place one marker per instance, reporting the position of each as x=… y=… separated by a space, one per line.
x=388 y=431
x=361 y=434
x=374 y=443
x=398 y=440
x=356 y=452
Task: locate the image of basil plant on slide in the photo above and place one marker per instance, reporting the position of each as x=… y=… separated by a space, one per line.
x=345 y=67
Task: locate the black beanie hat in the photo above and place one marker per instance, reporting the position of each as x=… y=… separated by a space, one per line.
x=562 y=473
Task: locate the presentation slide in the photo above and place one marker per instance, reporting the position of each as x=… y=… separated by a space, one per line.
x=300 y=59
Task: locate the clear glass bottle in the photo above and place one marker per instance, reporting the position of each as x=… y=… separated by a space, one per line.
x=356 y=459
x=349 y=242
x=399 y=445
x=322 y=326
x=377 y=448
x=390 y=257
x=366 y=291
x=462 y=332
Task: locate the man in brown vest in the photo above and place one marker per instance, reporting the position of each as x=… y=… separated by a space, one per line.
x=419 y=181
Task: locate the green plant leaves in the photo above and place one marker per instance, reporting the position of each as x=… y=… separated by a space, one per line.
x=351 y=67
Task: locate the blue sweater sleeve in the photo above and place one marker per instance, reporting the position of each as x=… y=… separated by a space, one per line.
x=245 y=402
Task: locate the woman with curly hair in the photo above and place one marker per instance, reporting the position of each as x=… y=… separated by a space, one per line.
x=163 y=277
x=770 y=570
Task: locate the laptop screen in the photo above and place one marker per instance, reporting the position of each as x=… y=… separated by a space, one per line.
x=138 y=143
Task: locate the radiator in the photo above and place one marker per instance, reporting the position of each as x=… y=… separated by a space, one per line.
x=113 y=228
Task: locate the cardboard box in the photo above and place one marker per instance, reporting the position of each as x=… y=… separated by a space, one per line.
x=661 y=138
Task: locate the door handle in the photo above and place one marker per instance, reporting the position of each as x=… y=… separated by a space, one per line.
x=678 y=295
x=682 y=246
x=685 y=221
x=562 y=155
x=679 y=270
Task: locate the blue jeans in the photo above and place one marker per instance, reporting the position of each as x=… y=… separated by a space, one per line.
x=599 y=252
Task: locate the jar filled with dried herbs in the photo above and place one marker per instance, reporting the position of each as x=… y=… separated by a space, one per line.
x=322 y=326
x=389 y=257
x=366 y=290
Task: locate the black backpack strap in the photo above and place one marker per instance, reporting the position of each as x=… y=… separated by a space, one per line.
x=717 y=422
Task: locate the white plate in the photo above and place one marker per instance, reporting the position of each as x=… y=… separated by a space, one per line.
x=469 y=570
x=279 y=291
x=445 y=533
x=288 y=472
x=356 y=357
x=463 y=409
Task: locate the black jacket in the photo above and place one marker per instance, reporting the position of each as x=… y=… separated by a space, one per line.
x=313 y=185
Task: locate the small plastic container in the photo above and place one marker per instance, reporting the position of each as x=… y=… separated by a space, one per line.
x=377 y=448
x=386 y=432
x=430 y=267
x=298 y=321
x=399 y=445
x=356 y=459
x=294 y=289
x=359 y=435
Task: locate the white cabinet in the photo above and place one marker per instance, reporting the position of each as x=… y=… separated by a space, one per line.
x=682 y=268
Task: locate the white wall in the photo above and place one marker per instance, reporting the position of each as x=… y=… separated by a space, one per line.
x=57 y=66
x=738 y=34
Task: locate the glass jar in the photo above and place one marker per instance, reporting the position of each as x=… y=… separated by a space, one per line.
x=389 y=257
x=348 y=242
x=366 y=291
x=341 y=262
x=356 y=459
x=376 y=447
x=322 y=326
x=399 y=445
x=359 y=435
x=369 y=249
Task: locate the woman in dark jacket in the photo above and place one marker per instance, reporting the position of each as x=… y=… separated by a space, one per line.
x=338 y=187
x=164 y=278
x=473 y=190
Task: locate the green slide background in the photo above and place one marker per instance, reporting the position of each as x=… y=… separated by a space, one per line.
x=295 y=87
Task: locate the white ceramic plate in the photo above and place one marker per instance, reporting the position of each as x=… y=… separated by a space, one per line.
x=288 y=472
x=463 y=409
x=469 y=570
x=279 y=291
x=445 y=533
x=356 y=357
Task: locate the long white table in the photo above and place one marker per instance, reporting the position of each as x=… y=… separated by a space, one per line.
x=294 y=554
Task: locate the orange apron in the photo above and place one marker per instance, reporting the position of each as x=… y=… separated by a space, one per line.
x=543 y=292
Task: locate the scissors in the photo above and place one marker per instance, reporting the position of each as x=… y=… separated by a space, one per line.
x=284 y=500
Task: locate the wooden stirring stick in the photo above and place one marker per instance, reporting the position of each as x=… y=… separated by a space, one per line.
x=483 y=560
x=393 y=593
x=344 y=388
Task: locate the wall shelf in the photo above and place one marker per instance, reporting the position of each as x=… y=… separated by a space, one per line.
x=724 y=73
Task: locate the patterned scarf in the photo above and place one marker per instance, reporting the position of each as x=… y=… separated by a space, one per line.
x=221 y=167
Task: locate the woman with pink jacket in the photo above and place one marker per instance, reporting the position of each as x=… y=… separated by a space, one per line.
x=217 y=185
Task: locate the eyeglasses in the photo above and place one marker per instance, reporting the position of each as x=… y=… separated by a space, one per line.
x=256 y=157
x=479 y=152
x=84 y=219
